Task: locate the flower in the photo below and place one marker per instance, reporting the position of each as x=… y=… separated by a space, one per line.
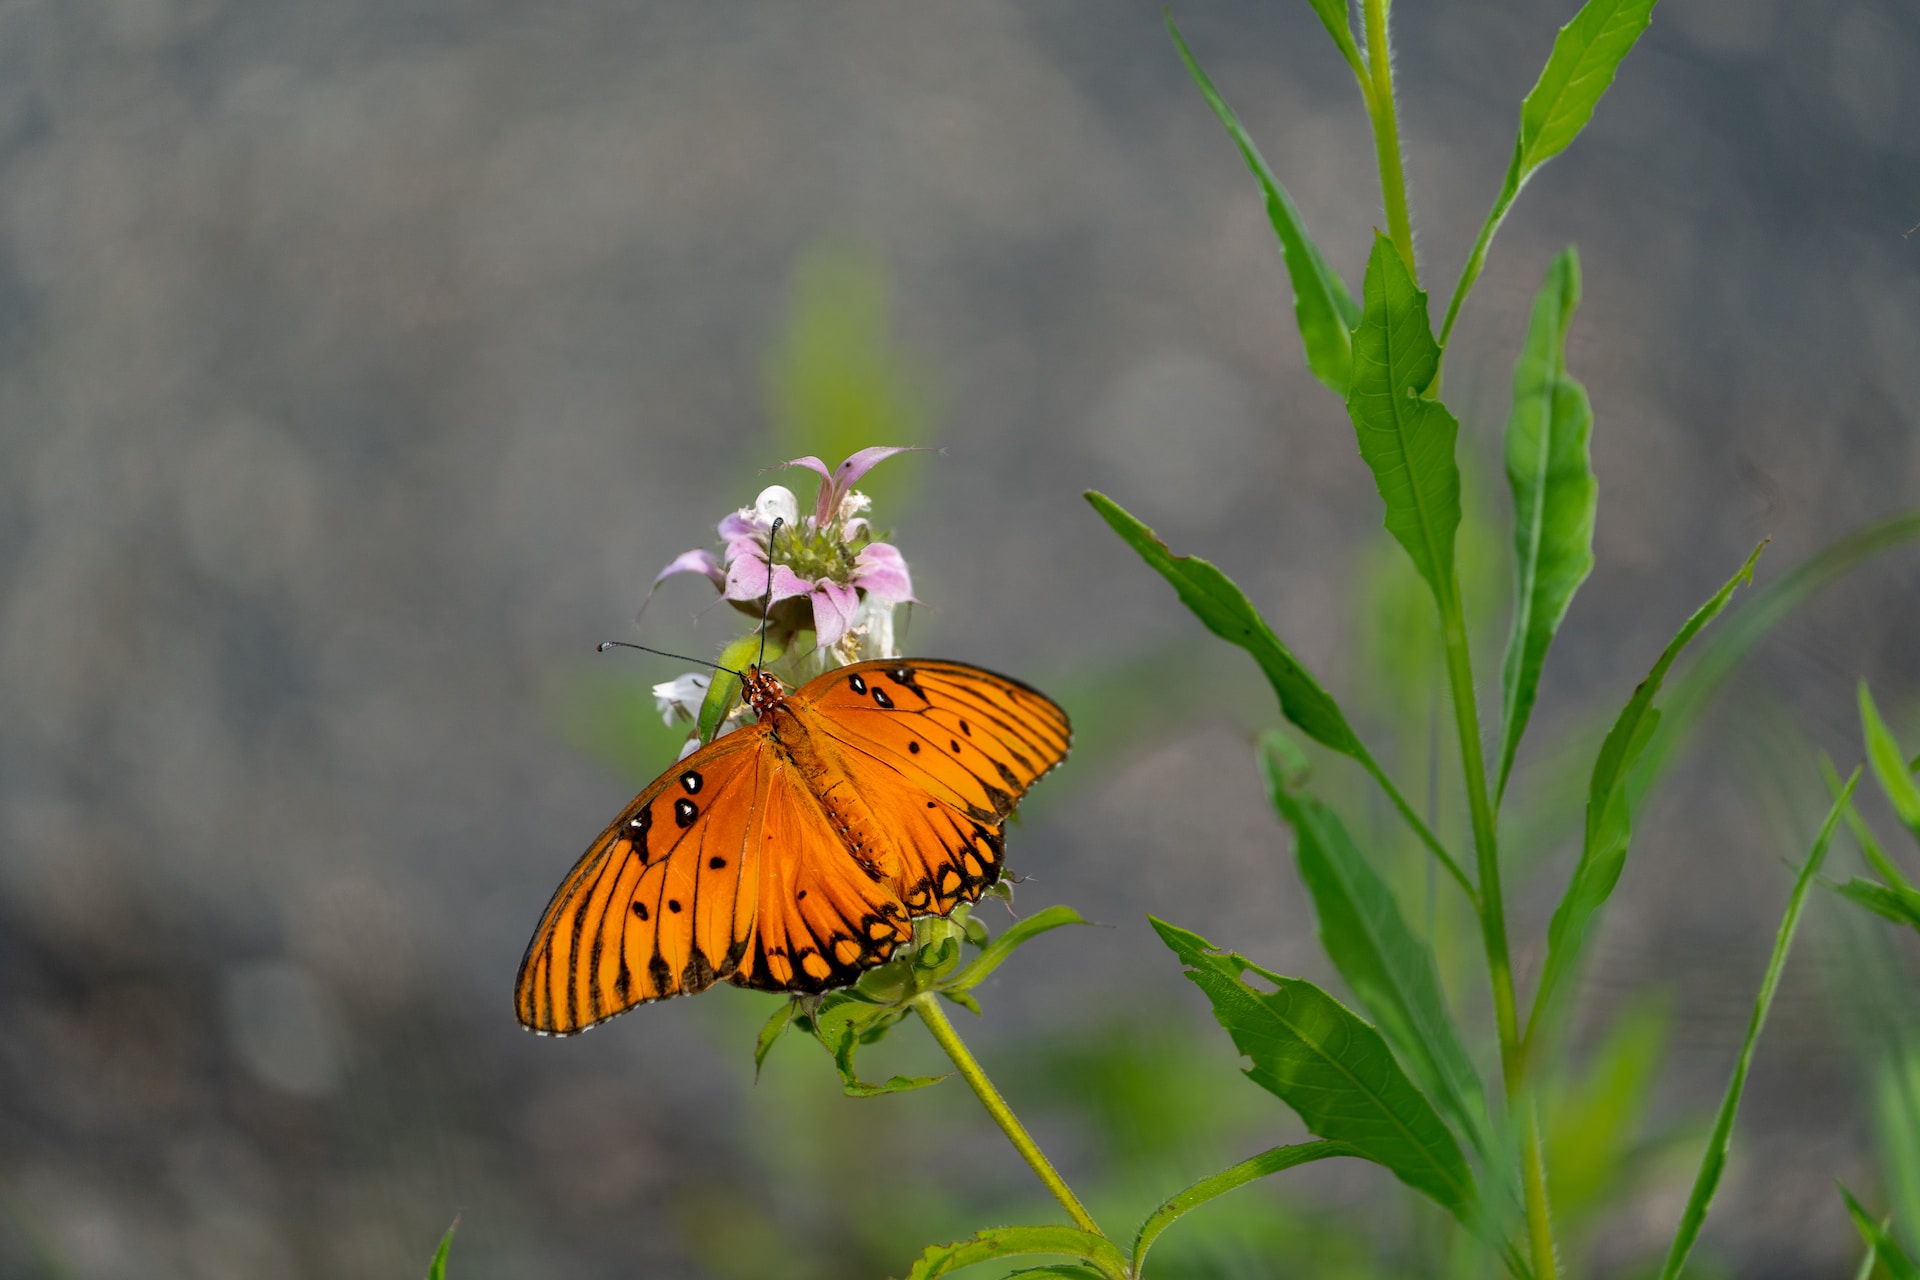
x=821 y=571
x=679 y=699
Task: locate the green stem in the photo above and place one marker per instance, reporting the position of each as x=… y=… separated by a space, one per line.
x=936 y=1019
x=1477 y=259
x=1493 y=928
x=1420 y=828
x=1386 y=132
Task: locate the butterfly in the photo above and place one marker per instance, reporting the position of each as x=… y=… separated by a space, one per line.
x=793 y=853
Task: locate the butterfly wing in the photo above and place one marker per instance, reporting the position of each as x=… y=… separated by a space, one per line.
x=824 y=914
x=663 y=903
x=936 y=754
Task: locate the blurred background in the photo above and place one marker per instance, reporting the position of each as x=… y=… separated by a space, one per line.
x=361 y=363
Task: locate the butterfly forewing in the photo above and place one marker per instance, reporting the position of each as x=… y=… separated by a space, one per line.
x=662 y=903
x=938 y=753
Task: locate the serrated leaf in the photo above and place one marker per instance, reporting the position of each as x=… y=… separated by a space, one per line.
x=1889 y=764
x=437 y=1269
x=1332 y=1068
x=1275 y=1160
x=1010 y=1242
x=770 y=1031
x=1407 y=441
x=1388 y=969
x=1609 y=827
x=725 y=689
x=1322 y=307
x=1226 y=611
x=1011 y=939
x=1880 y=1241
x=1713 y=1162
x=1554 y=498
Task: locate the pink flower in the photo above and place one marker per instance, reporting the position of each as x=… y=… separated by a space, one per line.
x=826 y=561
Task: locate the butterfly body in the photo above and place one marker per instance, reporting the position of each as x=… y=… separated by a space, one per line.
x=793 y=853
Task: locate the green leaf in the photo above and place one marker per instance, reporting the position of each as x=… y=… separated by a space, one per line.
x=1899 y=906
x=1009 y=1242
x=437 y=1269
x=1580 y=69
x=855 y=1087
x=774 y=1028
x=1389 y=970
x=1883 y=1245
x=1864 y=837
x=1407 y=441
x=1332 y=1068
x=1714 y=1162
x=1554 y=497
x=1603 y=853
x=1275 y=1160
x=1321 y=304
x=1890 y=764
x=1585 y=56
x=1227 y=612
x=1753 y=620
x=1593 y=1121
x=1016 y=934
x=725 y=689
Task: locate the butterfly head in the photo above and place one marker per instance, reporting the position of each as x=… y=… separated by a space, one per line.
x=762 y=690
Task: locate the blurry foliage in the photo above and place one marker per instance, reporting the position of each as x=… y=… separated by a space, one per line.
x=837 y=379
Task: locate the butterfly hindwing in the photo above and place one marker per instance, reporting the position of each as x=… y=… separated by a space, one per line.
x=663 y=902
x=824 y=915
x=938 y=754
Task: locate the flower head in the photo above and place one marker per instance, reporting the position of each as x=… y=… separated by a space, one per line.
x=822 y=571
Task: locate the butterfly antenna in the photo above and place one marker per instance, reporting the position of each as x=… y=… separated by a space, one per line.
x=766 y=612
x=605 y=645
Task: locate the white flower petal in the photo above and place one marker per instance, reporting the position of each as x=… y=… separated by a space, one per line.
x=776 y=501
x=679 y=699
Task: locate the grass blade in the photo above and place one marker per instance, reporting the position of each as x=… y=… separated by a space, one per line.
x=1714 y=1162
x=1276 y=1160
x=1880 y=1243
x=1603 y=852
x=1554 y=497
x=1889 y=764
x=1388 y=969
x=1333 y=1069
x=1405 y=440
x=437 y=1269
x=1322 y=307
x=1752 y=621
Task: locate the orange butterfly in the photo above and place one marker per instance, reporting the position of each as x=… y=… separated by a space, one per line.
x=792 y=853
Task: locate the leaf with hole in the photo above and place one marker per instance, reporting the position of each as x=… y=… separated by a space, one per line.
x=1322 y=1060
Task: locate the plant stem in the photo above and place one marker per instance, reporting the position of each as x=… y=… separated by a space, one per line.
x=1420 y=828
x=936 y=1019
x=1386 y=132
x=1493 y=929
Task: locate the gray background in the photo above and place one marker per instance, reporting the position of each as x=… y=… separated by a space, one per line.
x=360 y=362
